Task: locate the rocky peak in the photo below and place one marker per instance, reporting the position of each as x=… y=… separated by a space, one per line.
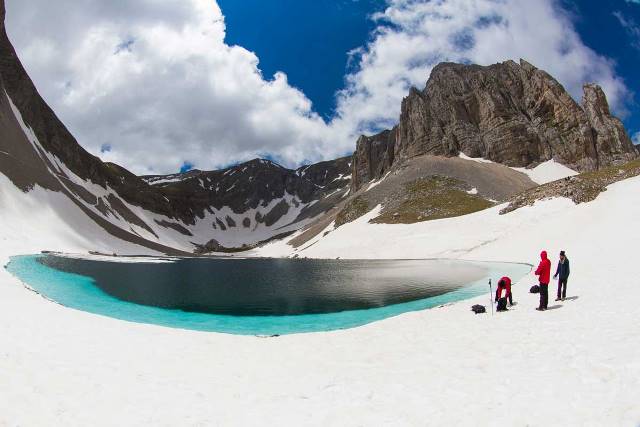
x=612 y=143
x=594 y=101
x=510 y=113
x=328 y=175
x=373 y=156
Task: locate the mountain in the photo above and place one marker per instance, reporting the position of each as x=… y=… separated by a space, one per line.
x=235 y=207
x=510 y=113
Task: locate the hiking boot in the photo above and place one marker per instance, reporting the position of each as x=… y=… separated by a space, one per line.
x=557 y=299
x=540 y=309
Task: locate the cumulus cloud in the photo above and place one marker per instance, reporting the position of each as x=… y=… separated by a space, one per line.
x=153 y=86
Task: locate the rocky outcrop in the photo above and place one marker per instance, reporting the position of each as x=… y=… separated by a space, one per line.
x=373 y=156
x=330 y=175
x=612 y=142
x=510 y=113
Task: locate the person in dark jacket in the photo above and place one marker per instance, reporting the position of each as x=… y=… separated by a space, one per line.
x=504 y=284
x=544 y=274
x=562 y=274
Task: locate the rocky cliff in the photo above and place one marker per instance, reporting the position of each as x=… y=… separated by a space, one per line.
x=509 y=113
x=374 y=155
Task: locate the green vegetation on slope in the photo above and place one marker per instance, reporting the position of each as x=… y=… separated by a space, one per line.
x=432 y=198
x=352 y=211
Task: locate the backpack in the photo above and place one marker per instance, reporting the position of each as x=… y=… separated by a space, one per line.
x=502 y=304
x=477 y=309
x=535 y=289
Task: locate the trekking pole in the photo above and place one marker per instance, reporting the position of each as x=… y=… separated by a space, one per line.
x=491 y=297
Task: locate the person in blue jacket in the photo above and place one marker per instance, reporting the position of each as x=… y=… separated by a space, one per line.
x=562 y=274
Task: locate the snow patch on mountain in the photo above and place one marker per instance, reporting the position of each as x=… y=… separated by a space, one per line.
x=547 y=172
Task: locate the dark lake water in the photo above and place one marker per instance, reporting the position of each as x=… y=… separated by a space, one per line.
x=256 y=296
x=246 y=287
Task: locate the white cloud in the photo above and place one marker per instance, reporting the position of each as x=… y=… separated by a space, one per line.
x=154 y=82
x=631 y=27
x=636 y=138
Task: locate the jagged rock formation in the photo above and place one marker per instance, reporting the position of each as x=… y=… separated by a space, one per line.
x=373 y=156
x=510 y=113
x=611 y=139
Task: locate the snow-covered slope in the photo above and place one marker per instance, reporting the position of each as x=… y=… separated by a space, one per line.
x=573 y=365
x=231 y=227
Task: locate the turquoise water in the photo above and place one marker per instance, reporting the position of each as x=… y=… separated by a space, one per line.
x=81 y=293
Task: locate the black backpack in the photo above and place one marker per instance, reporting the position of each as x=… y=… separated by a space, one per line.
x=535 y=289
x=502 y=304
x=477 y=309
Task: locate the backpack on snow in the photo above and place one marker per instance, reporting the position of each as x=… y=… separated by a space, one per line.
x=535 y=289
x=477 y=309
x=502 y=304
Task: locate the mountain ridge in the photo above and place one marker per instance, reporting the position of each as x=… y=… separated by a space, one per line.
x=513 y=114
x=510 y=113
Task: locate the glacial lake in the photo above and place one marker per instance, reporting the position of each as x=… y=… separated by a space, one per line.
x=252 y=296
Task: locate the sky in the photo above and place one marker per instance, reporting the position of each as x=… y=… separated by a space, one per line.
x=163 y=85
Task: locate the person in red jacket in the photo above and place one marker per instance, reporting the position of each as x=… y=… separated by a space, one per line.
x=504 y=284
x=544 y=272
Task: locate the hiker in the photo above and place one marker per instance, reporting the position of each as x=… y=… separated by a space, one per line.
x=562 y=274
x=544 y=272
x=504 y=284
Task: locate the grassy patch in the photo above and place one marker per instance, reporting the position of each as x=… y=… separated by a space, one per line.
x=352 y=211
x=433 y=198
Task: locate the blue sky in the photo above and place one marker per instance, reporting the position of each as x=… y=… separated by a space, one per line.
x=612 y=28
x=155 y=86
x=313 y=52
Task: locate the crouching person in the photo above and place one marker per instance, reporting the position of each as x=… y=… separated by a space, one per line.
x=504 y=285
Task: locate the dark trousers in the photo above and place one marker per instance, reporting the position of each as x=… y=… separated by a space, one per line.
x=544 y=295
x=562 y=288
x=510 y=299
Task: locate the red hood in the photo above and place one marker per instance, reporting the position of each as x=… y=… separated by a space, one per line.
x=543 y=255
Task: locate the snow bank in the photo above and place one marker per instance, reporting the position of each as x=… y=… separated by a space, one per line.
x=48 y=220
x=547 y=172
x=474 y=159
x=543 y=173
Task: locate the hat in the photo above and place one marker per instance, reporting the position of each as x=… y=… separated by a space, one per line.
x=562 y=253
